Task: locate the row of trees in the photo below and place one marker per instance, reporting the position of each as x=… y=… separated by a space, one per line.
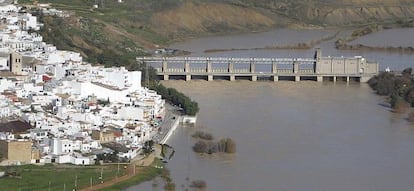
x=177 y=98
x=172 y=95
x=399 y=88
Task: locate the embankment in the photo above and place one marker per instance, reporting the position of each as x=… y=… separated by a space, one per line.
x=298 y=46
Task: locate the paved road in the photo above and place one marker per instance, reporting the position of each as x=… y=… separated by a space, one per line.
x=171 y=115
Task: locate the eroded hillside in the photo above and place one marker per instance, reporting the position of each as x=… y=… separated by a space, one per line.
x=340 y=12
x=199 y=18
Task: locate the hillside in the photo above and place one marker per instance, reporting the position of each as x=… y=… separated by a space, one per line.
x=116 y=32
x=340 y=12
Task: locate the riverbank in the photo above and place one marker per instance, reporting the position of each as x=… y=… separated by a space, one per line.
x=295 y=46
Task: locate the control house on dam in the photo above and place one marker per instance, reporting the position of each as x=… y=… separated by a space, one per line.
x=318 y=68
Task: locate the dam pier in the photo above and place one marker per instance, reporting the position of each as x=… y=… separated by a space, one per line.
x=317 y=68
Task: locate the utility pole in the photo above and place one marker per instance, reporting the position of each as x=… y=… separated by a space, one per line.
x=117 y=172
x=76 y=182
x=134 y=168
x=101 y=177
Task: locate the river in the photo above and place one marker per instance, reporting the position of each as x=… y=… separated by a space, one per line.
x=293 y=136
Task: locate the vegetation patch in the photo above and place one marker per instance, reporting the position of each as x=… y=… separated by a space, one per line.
x=398 y=87
x=169 y=184
x=177 y=98
x=56 y=177
x=226 y=145
x=203 y=135
x=198 y=184
x=143 y=174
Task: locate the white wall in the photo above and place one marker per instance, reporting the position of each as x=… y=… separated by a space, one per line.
x=3 y=63
x=6 y=84
x=82 y=161
x=134 y=78
x=131 y=113
x=56 y=146
x=8 y=8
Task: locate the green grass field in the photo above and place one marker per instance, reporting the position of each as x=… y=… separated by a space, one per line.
x=60 y=177
x=145 y=174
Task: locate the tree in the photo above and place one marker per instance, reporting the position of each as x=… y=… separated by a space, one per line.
x=200 y=147
x=148 y=147
x=399 y=88
x=230 y=146
x=177 y=98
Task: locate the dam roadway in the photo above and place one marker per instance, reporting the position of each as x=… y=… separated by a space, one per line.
x=295 y=69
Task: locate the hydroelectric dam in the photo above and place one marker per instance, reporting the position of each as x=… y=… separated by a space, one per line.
x=318 y=68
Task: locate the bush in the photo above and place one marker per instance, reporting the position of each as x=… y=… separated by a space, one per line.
x=169 y=186
x=399 y=88
x=224 y=145
x=203 y=135
x=200 y=184
x=200 y=147
x=230 y=146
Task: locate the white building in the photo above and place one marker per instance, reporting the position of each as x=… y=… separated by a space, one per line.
x=63 y=97
x=28 y=21
x=4 y=64
x=131 y=113
x=6 y=84
x=8 y=8
x=62 y=146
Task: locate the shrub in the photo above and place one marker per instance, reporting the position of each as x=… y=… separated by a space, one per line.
x=400 y=88
x=169 y=186
x=224 y=145
x=200 y=184
x=203 y=135
x=200 y=147
x=230 y=146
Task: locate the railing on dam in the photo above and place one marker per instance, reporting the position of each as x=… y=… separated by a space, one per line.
x=211 y=67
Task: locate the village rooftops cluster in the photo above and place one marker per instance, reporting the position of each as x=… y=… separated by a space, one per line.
x=55 y=108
